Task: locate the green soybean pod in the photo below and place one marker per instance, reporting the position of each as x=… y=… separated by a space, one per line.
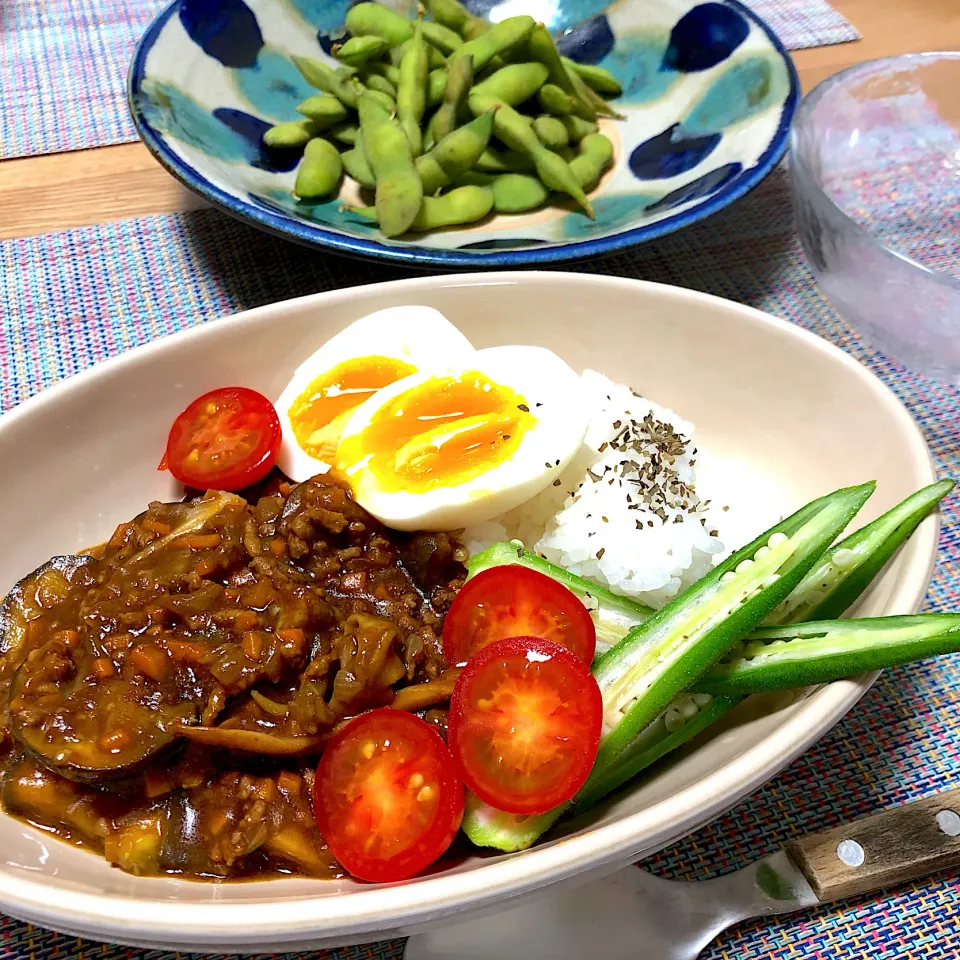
x=475 y=27
x=290 y=135
x=374 y=19
x=565 y=153
x=399 y=191
x=555 y=101
x=551 y=132
x=319 y=172
x=577 y=128
x=516 y=132
x=374 y=81
x=513 y=84
x=456 y=87
x=499 y=38
x=384 y=99
x=356 y=164
x=600 y=106
x=323 y=109
x=518 y=193
x=596 y=154
x=366 y=213
x=358 y=50
x=441 y=37
x=383 y=69
x=340 y=83
x=436 y=87
x=343 y=132
x=461 y=205
x=541 y=47
x=597 y=78
x=435 y=59
x=450 y=13
x=455 y=154
x=506 y=161
x=412 y=90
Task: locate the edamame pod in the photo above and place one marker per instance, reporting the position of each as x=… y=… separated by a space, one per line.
x=551 y=132
x=456 y=88
x=555 y=101
x=517 y=193
x=399 y=192
x=412 y=90
x=291 y=135
x=513 y=84
x=343 y=132
x=597 y=78
x=498 y=39
x=441 y=37
x=507 y=161
x=374 y=81
x=600 y=106
x=320 y=170
x=475 y=27
x=435 y=58
x=356 y=164
x=461 y=205
x=386 y=70
x=340 y=83
x=577 y=128
x=374 y=19
x=450 y=13
x=541 y=47
x=436 y=87
x=596 y=154
x=384 y=99
x=455 y=154
x=358 y=50
x=323 y=109
x=517 y=133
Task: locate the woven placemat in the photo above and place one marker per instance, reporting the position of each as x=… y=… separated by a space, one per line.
x=63 y=65
x=75 y=297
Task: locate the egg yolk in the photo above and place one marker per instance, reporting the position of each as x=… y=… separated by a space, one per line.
x=321 y=411
x=442 y=432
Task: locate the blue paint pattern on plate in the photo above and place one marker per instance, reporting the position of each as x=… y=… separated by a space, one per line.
x=669 y=154
x=226 y=30
x=588 y=42
x=703 y=186
x=252 y=129
x=202 y=101
x=704 y=37
x=273 y=85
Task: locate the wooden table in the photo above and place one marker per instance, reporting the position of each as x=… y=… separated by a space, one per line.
x=56 y=191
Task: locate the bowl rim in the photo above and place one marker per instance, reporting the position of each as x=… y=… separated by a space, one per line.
x=311 y=235
x=804 y=117
x=381 y=908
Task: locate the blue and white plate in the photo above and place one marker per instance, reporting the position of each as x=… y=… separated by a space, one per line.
x=709 y=92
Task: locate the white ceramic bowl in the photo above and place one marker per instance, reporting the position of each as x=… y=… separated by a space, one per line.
x=782 y=417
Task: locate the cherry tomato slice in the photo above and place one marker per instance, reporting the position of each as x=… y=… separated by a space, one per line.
x=515 y=601
x=225 y=440
x=524 y=724
x=387 y=797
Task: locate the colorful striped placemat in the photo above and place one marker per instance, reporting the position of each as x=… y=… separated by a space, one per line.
x=63 y=65
x=73 y=298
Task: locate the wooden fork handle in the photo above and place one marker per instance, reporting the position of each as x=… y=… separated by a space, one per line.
x=902 y=844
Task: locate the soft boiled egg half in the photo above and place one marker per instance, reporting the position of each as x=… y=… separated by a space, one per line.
x=330 y=385
x=444 y=449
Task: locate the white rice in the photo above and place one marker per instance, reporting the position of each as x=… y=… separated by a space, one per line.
x=629 y=517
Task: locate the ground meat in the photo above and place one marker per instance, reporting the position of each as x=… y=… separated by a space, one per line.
x=250 y=629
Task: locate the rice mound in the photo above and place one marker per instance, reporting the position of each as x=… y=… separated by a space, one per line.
x=626 y=512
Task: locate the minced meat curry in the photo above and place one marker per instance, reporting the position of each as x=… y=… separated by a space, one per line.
x=165 y=697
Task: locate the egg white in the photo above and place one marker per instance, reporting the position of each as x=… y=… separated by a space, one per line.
x=420 y=336
x=555 y=397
